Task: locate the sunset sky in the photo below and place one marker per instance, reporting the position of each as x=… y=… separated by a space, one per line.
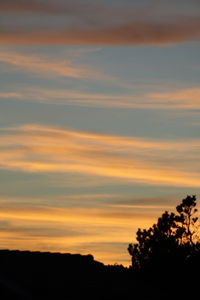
x=99 y=121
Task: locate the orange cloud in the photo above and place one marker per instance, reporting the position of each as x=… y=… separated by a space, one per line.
x=173 y=30
x=99 y=24
x=33 y=6
x=178 y=99
x=43 y=65
x=51 y=7
x=73 y=229
x=10 y=95
x=54 y=150
x=183 y=99
x=18 y=5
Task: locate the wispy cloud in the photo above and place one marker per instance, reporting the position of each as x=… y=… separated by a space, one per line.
x=47 y=149
x=184 y=99
x=11 y=95
x=178 y=99
x=44 y=65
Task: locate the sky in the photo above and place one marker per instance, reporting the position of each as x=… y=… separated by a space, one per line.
x=99 y=121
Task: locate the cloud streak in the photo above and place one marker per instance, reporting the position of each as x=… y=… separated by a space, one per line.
x=184 y=99
x=140 y=32
x=18 y=6
x=178 y=99
x=43 y=65
x=52 y=7
x=54 y=150
x=97 y=24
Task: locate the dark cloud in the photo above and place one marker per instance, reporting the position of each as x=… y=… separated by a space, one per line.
x=134 y=33
x=36 y=6
x=54 y=7
x=94 y=23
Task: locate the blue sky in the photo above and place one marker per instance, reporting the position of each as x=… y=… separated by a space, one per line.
x=99 y=121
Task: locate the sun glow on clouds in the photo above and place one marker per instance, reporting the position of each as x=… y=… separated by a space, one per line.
x=182 y=99
x=63 y=189
x=35 y=148
x=103 y=229
x=43 y=65
x=73 y=229
x=74 y=215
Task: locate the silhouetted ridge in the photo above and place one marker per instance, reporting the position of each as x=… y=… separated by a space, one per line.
x=46 y=275
x=14 y=259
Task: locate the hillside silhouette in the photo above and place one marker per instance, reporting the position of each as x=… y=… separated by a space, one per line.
x=165 y=265
x=43 y=275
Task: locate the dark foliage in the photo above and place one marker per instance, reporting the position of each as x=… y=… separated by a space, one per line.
x=172 y=240
x=169 y=251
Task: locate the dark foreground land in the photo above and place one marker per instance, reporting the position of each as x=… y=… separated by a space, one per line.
x=39 y=275
x=55 y=276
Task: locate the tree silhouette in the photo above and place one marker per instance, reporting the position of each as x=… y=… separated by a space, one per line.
x=172 y=240
x=187 y=221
